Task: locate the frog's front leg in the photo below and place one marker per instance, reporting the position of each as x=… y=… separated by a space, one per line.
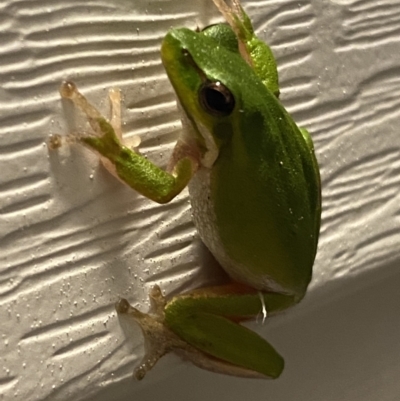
x=124 y=163
x=253 y=50
x=203 y=326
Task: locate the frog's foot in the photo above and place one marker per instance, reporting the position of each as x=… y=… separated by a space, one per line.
x=54 y=141
x=159 y=340
x=106 y=136
x=68 y=90
x=230 y=13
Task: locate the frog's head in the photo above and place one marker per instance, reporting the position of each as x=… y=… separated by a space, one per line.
x=205 y=69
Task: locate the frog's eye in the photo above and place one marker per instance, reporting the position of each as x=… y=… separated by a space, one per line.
x=216 y=99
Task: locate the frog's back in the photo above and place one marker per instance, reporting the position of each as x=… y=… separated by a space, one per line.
x=258 y=208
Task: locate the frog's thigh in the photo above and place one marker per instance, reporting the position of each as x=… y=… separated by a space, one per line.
x=208 y=319
x=230 y=342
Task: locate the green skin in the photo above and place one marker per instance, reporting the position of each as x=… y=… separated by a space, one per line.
x=264 y=192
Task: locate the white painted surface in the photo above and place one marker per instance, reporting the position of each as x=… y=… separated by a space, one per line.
x=73 y=240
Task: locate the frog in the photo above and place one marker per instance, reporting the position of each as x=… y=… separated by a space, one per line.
x=255 y=193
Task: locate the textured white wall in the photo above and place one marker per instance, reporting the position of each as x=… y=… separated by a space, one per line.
x=72 y=239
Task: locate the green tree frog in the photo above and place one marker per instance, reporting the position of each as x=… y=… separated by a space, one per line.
x=255 y=192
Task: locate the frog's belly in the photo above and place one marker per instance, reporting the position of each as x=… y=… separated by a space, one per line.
x=206 y=224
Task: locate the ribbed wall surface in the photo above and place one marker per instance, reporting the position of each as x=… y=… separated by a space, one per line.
x=72 y=239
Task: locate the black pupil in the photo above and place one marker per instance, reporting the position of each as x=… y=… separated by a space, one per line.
x=217 y=99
